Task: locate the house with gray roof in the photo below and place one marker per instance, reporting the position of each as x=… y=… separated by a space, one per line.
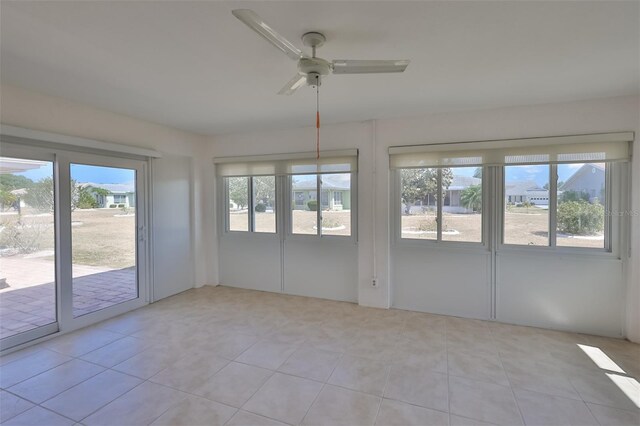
x=589 y=179
x=335 y=193
x=120 y=194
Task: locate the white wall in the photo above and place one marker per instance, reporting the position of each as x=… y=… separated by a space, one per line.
x=373 y=139
x=23 y=108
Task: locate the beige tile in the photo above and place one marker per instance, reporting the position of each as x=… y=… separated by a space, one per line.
x=484 y=366
x=88 y=396
x=608 y=416
x=234 y=384
x=11 y=406
x=50 y=383
x=285 y=398
x=32 y=365
x=195 y=411
x=149 y=362
x=311 y=363
x=232 y=345
x=382 y=348
x=600 y=389
x=360 y=374
x=190 y=372
x=267 y=354
x=483 y=401
x=423 y=354
x=418 y=386
x=38 y=416
x=538 y=376
x=244 y=418
x=541 y=409
x=338 y=406
x=82 y=341
x=116 y=352
x=396 y=413
x=140 y=406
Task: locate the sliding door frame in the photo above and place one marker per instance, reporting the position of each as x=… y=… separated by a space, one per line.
x=31 y=153
x=62 y=159
x=63 y=164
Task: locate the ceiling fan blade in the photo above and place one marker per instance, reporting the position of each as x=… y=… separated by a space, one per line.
x=351 y=66
x=294 y=84
x=253 y=21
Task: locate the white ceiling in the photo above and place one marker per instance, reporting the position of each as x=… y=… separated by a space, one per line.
x=193 y=66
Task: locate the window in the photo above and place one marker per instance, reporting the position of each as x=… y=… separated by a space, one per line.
x=581 y=203
x=337 y=198
x=306 y=213
x=574 y=218
x=526 y=207
x=441 y=204
x=264 y=204
x=119 y=198
x=319 y=192
x=238 y=203
x=261 y=204
x=419 y=203
x=336 y=217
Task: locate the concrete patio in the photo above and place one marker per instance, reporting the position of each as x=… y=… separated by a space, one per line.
x=29 y=301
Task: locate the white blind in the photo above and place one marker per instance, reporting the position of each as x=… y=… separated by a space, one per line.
x=605 y=147
x=342 y=161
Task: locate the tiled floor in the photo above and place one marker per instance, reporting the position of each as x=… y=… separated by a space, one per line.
x=29 y=302
x=237 y=357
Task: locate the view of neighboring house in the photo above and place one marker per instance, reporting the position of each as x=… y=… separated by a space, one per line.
x=451 y=202
x=119 y=194
x=588 y=179
x=526 y=191
x=335 y=194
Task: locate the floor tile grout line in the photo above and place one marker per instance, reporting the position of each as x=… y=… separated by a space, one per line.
x=384 y=389
x=322 y=388
x=513 y=393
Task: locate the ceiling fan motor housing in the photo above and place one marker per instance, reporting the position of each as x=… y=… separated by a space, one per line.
x=314 y=65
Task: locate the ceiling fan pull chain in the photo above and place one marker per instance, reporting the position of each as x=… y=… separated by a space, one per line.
x=317 y=118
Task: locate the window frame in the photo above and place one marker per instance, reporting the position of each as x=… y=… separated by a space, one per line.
x=614 y=179
x=483 y=244
x=250 y=207
x=352 y=238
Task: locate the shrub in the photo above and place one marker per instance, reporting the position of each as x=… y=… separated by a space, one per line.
x=312 y=205
x=112 y=206
x=23 y=239
x=121 y=205
x=260 y=208
x=427 y=225
x=329 y=222
x=580 y=217
x=574 y=196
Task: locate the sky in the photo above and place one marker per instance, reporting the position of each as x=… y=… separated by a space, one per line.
x=95 y=174
x=83 y=173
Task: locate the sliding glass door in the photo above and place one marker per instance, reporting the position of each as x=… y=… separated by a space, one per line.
x=28 y=293
x=72 y=240
x=103 y=237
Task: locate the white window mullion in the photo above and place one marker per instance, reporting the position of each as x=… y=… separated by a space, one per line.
x=63 y=241
x=553 y=204
x=439 y=206
x=251 y=211
x=319 y=204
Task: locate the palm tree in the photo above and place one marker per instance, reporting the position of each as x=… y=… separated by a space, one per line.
x=471 y=197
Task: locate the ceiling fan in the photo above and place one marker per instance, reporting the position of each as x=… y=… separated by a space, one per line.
x=311 y=69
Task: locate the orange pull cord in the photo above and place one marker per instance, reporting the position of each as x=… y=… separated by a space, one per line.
x=317 y=119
